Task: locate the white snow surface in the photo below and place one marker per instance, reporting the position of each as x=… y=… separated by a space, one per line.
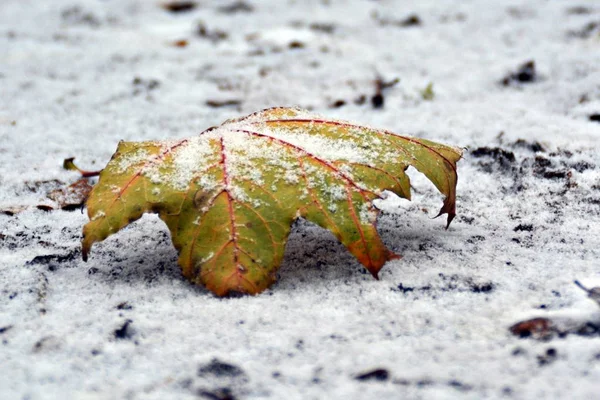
x=78 y=76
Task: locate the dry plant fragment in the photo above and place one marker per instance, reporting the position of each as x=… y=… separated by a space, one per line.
x=229 y=195
x=593 y=293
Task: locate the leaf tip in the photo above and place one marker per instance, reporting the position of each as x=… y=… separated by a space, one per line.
x=86 y=246
x=449 y=220
x=447 y=208
x=375 y=268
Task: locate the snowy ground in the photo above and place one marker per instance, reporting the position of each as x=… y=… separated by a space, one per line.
x=78 y=76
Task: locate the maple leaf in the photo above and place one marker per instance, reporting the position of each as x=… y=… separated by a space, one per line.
x=230 y=195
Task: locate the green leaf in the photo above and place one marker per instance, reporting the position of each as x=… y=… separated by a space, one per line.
x=230 y=195
x=427 y=93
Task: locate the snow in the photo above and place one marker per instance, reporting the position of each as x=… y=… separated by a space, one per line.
x=247 y=147
x=78 y=76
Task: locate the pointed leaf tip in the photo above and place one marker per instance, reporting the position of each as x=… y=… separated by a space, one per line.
x=230 y=195
x=450 y=219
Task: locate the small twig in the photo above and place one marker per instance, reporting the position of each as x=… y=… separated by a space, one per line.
x=593 y=293
x=588 y=291
x=380 y=85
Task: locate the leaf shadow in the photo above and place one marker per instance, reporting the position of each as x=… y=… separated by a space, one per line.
x=314 y=255
x=142 y=254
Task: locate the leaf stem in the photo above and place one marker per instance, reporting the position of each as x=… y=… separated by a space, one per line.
x=69 y=165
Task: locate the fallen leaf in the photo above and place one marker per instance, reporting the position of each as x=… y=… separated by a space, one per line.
x=179 y=6
x=428 y=94
x=12 y=210
x=238 y=6
x=230 y=195
x=525 y=74
x=223 y=103
x=379 y=374
x=180 y=43
x=65 y=197
x=538 y=328
x=214 y=35
x=5 y=328
x=545 y=328
x=73 y=196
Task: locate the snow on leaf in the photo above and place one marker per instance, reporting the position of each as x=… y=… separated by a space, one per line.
x=230 y=195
